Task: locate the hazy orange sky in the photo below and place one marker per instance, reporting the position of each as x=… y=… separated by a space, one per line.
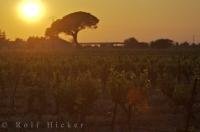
x=119 y=19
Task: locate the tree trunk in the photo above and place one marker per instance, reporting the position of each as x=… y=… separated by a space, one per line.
x=114 y=117
x=129 y=119
x=75 y=39
x=128 y=110
x=190 y=106
x=13 y=101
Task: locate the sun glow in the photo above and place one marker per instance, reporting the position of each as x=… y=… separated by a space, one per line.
x=31 y=10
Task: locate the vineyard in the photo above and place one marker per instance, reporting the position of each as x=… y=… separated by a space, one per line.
x=110 y=90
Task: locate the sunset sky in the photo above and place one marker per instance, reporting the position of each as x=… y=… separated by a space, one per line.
x=146 y=20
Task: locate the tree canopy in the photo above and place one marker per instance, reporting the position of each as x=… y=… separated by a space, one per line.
x=131 y=42
x=71 y=24
x=134 y=43
x=162 y=43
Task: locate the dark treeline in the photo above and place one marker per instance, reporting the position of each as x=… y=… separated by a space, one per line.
x=72 y=24
x=56 y=42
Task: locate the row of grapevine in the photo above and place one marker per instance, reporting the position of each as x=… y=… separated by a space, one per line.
x=71 y=86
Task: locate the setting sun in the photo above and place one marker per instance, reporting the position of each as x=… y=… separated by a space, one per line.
x=31 y=10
